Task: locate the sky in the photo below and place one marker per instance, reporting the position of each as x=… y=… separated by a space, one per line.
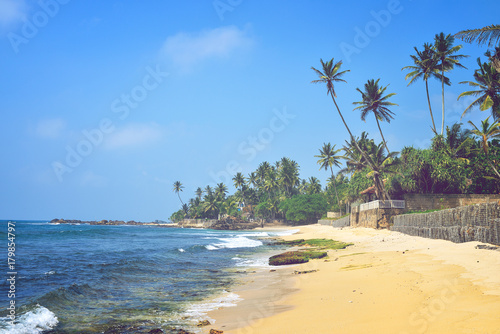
x=105 y=104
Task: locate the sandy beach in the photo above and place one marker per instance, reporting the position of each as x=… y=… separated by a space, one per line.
x=387 y=282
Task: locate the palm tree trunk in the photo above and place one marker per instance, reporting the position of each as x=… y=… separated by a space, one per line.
x=335 y=187
x=385 y=143
x=442 y=96
x=352 y=137
x=494 y=169
x=430 y=109
x=180 y=198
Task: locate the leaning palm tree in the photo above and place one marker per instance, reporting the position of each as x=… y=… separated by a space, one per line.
x=486 y=132
x=447 y=59
x=177 y=189
x=487 y=80
x=424 y=68
x=328 y=157
x=373 y=100
x=329 y=76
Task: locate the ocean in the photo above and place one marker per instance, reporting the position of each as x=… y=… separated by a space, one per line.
x=119 y=279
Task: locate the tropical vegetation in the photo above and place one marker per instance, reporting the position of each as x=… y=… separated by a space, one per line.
x=460 y=159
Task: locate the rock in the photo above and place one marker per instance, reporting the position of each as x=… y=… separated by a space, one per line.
x=215 y=331
x=486 y=247
x=155 y=331
x=203 y=323
x=233 y=223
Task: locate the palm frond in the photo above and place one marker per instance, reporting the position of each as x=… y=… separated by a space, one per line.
x=489 y=35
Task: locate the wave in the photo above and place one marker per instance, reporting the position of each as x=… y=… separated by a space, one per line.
x=33 y=322
x=252 y=262
x=236 y=242
x=283 y=233
x=199 y=311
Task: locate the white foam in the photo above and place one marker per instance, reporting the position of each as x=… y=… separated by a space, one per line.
x=252 y=262
x=52 y=272
x=32 y=322
x=181 y=250
x=283 y=233
x=199 y=311
x=236 y=242
x=254 y=234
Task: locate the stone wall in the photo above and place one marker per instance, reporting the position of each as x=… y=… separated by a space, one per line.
x=422 y=202
x=479 y=222
x=374 y=218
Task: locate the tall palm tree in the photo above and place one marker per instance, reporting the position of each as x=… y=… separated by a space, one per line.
x=486 y=132
x=177 y=189
x=329 y=76
x=447 y=59
x=425 y=67
x=487 y=79
x=373 y=100
x=328 y=157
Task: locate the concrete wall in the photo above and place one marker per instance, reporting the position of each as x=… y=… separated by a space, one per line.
x=422 y=202
x=374 y=218
x=479 y=222
x=333 y=214
x=342 y=222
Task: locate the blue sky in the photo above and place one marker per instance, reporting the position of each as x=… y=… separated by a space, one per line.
x=106 y=103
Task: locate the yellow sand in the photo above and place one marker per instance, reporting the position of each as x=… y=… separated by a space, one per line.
x=387 y=282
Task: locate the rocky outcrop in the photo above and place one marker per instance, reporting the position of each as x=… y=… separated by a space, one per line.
x=93 y=222
x=233 y=223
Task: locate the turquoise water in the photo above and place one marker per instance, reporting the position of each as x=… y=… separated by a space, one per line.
x=123 y=279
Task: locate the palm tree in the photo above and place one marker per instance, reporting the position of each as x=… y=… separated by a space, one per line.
x=221 y=191
x=329 y=76
x=487 y=132
x=375 y=101
x=177 y=189
x=328 y=157
x=487 y=79
x=314 y=187
x=445 y=50
x=489 y=34
x=199 y=192
x=382 y=163
x=425 y=68
x=288 y=174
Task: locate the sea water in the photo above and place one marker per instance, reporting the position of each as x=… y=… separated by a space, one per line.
x=120 y=279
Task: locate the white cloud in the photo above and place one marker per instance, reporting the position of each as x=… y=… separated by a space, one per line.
x=50 y=128
x=12 y=11
x=186 y=50
x=133 y=135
